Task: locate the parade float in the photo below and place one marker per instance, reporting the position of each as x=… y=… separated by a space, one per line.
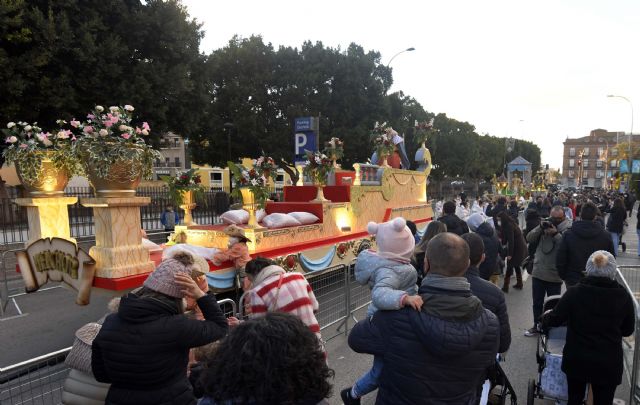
x=329 y=227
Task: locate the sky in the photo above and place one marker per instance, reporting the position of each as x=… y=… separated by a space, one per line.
x=533 y=70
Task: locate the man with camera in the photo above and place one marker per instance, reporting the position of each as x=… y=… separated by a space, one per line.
x=545 y=278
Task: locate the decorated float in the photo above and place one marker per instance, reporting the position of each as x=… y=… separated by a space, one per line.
x=315 y=227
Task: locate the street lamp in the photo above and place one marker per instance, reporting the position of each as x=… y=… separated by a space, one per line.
x=187 y=159
x=606 y=160
x=403 y=51
x=629 y=158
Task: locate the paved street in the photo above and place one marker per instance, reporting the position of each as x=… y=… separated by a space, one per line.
x=52 y=317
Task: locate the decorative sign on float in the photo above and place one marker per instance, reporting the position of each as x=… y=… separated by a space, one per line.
x=57 y=259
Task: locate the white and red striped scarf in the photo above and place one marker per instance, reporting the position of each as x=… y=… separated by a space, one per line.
x=295 y=297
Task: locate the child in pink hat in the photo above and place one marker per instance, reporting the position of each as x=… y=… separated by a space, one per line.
x=392 y=279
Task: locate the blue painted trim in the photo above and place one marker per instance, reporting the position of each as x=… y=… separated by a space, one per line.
x=318 y=264
x=221 y=280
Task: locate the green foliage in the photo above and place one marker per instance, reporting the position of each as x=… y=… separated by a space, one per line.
x=334 y=148
x=57 y=57
x=317 y=167
x=107 y=137
x=28 y=145
x=251 y=179
x=261 y=90
x=185 y=182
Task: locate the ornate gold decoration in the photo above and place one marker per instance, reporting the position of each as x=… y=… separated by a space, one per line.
x=50 y=182
x=121 y=180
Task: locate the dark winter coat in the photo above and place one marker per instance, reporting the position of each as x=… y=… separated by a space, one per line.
x=513 y=211
x=615 y=222
x=437 y=356
x=578 y=243
x=598 y=312
x=492 y=249
x=454 y=224
x=516 y=245
x=493 y=212
x=492 y=299
x=638 y=219
x=143 y=350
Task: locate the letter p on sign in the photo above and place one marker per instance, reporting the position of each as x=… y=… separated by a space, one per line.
x=300 y=143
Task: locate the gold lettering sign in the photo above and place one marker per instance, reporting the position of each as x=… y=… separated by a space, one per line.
x=57 y=259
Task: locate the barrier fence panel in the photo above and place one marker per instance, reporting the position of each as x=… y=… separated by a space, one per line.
x=35 y=381
x=330 y=289
x=629 y=277
x=360 y=295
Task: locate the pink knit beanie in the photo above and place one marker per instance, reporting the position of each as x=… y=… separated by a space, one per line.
x=162 y=281
x=394 y=239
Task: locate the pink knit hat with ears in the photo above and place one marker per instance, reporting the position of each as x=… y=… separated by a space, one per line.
x=161 y=279
x=394 y=239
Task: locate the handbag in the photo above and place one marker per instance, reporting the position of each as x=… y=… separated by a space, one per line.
x=79 y=357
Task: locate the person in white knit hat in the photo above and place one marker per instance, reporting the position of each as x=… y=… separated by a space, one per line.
x=598 y=312
x=392 y=280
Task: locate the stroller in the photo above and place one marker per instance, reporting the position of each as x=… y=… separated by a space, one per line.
x=501 y=389
x=551 y=383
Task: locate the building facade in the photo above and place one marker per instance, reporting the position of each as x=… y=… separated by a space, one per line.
x=592 y=161
x=173 y=159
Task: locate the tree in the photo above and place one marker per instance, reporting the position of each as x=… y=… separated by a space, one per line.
x=262 y=90
x=58 y=59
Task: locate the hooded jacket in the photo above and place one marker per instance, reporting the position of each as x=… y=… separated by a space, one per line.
x=143 y=350
x=598 y=312
x=492 y=249
x=454 y=224
x=584 y=238
x=389 y=280
x=437 y=356
x=544 y=262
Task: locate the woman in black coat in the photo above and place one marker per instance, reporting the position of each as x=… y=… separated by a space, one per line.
x=615 y=222
x=513 y=210
x=516 y=251
x=143 y=349
x=598 y=312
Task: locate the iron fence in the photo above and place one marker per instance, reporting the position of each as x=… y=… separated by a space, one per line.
x=213 y=203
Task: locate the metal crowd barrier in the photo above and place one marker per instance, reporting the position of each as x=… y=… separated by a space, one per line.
x=629 y=277
x=40 y=380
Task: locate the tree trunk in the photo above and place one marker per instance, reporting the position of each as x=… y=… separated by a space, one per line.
x=290 y=170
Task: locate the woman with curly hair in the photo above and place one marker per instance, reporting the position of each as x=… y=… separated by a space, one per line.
x=272 y=360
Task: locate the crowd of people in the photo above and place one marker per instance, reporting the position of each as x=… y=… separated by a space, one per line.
x=437 y=319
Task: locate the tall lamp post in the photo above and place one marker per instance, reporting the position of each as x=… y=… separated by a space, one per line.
x=629 y=158
x=403 y=51
x=606 y=159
